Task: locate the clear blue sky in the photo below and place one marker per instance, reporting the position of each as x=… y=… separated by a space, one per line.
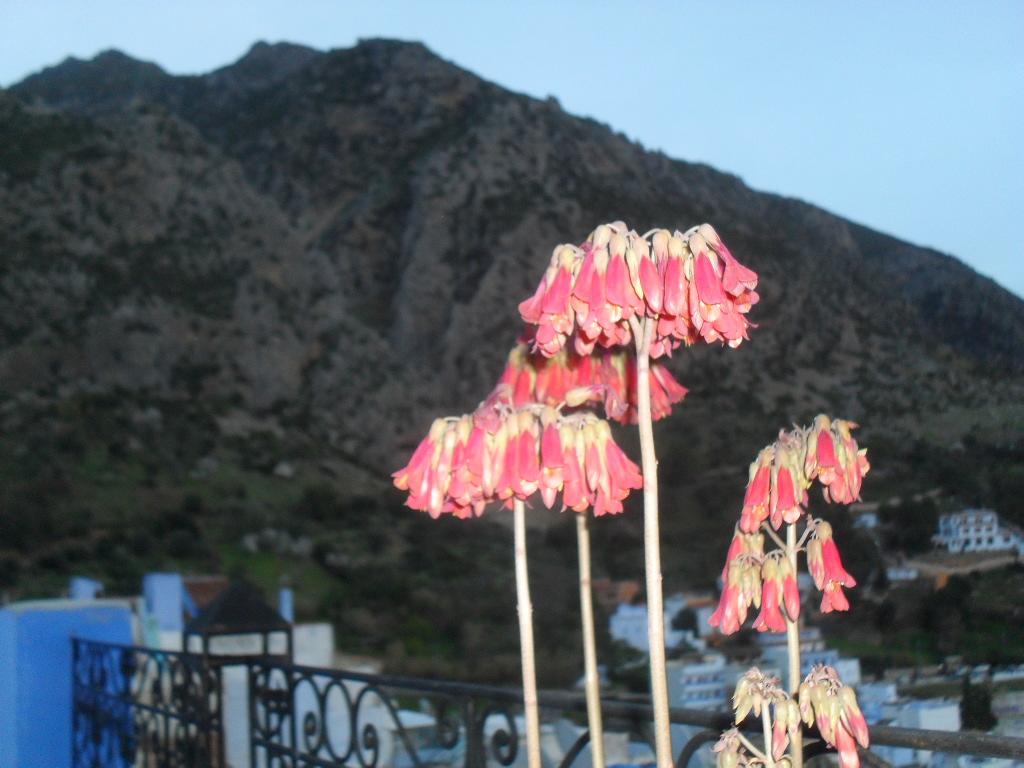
x=906 y=116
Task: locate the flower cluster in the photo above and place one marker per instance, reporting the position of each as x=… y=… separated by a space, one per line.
x=501 y=453
x=777 y=493
x=779 y=590
x=756 y=691
x=689 y=284
x=823 y=699
x=782 y=473
x=729 y=752
x=750 y=578
x=835 y=460
x=827 y=569
x=609 y=376
x=741 y=582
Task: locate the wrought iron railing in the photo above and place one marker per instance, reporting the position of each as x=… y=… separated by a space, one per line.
x=143 y=707
x=307 y=716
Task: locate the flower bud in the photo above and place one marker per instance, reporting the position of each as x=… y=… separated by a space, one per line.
x=579 y=395
x=792 y=716
x=601 y=236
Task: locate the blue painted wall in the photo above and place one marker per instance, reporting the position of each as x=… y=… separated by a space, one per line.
x=35 y=674
x=286 y=603
x=82 y=588
x=164 y=594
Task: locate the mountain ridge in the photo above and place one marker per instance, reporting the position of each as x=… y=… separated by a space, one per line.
x=377 y=81
x=246 y=285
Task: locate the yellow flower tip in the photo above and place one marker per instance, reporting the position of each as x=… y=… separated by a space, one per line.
x=601 y=236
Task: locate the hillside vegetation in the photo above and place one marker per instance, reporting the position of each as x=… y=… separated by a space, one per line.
x=230 y=305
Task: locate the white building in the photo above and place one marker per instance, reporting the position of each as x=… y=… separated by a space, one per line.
x=876 y=699
x=866 y=521
x=1008 y=707
x=901 y=573
x=707 y=683
x=975 y=530
x=703 y=612
x=930 y=714
x=704 y=684
x=777 y=657
x=629 y=624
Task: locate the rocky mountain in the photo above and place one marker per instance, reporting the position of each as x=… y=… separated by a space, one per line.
x=294 y=262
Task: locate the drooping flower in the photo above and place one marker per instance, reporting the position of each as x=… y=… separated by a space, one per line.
x=776 y=493
x=721 y=289
x=824 y=701
x=601 y=294
x=427 y=475
x=780 y=476
x=788 y=493
x=778 y=479
x=741 y=586
x=760 y=694
x=755 y=691
x=750 y=577
x=777 y=484
x=834 y=458
x=779 y=593
x=729 y=751
x=610 y=473
x=852 y=717
x=609 y=376
x=549 y=308
x=790 y=589
x=689 y=284
x=785 y=726
x=826 y=567
x=743 y=544
x=833 y=598
x=770 y=618
x=755 y=502
x=502 y=453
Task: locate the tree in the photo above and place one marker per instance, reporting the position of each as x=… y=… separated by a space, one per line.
x=909 y=527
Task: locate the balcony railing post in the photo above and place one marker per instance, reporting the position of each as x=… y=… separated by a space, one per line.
x=291 y=709
x=251 y=694
x=475 y=755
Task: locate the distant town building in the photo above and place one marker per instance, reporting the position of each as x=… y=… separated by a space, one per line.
x=930 y=714
x=774 y=655
x=777 y=656
x=1008 y=707
x=609 y=594
x=866 y=520
x=703 y=613
x=706 y=683
x=901 y=573
x=629 y=623
x=876 y=699
x=975 y=530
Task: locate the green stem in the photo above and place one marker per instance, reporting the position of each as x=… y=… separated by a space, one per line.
x=526 y=639
x=793 y=651
x=750 y=746
x=591 y=680
x=652 y=550
x=766 y=727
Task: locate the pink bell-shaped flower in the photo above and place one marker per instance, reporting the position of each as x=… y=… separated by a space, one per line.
x=689 y=284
